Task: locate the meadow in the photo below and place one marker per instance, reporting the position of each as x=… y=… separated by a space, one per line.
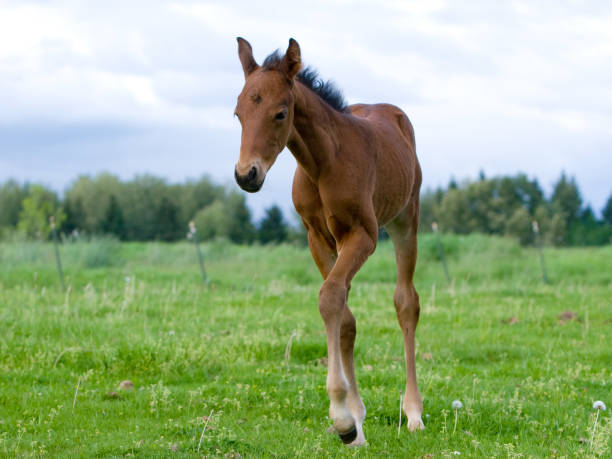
x=236 y=368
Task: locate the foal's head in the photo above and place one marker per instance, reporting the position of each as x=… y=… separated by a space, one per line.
x=265 y=111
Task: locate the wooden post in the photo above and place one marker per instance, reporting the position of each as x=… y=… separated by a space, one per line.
x=57 y=254
x=193 y=235
x=538 y=240
x=434 y=227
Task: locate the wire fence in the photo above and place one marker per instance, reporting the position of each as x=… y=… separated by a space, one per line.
x=104 y=252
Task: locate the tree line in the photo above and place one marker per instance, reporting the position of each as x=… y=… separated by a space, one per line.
x=142 y=209
x=509 y=205
x=149 y=208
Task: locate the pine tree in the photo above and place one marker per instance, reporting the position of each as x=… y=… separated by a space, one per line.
x=241 y=229
x=566 y=199
x=606 y=212
x=167 y=220
x=114 y=222
x=75 y=215
x=584 y=231
x=11 y=196
x=273 y=227
x=566 y=204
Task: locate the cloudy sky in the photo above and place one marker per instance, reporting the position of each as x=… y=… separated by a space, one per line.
x=149 y=86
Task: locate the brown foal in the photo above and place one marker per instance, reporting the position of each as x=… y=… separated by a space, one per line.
x=357 y=171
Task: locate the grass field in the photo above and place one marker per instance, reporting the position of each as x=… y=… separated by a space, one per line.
x=218 y=356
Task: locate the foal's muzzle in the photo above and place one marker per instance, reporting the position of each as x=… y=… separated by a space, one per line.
x=249 y=182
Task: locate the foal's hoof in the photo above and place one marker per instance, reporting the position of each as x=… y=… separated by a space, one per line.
x=359 y=440
x=415 y=424
x=348 y=437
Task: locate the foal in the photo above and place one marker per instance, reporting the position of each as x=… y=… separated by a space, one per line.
x=357 y=170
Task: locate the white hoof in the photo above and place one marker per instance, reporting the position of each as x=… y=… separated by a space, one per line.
x=415 y=423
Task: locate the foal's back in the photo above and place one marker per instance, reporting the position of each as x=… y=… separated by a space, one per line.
x=398 y=174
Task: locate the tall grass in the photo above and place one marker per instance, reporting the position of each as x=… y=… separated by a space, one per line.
x=497 y=339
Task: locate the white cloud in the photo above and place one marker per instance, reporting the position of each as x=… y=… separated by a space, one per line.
x=30 y=32
x=504 y=86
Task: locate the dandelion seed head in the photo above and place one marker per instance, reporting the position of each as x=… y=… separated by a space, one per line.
x=456 y=405
x=599 y=405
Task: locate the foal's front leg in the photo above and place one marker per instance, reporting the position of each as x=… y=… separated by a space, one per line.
x=325 y=258
x=332 y=303
x=348 y=331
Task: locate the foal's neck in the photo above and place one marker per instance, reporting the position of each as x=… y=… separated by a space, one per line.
x=315 y=136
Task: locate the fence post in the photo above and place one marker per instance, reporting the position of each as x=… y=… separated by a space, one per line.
x=538 y=240
x=60 y=273
x=434 y=227
x=193 y=235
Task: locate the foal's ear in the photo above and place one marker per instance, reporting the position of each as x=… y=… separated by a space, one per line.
x=292 y=61
x=245 y=53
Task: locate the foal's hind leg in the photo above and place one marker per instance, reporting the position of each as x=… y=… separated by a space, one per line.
x=403 y=234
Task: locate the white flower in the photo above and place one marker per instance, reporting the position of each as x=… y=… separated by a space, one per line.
x=171 y=332
x=456 y=453
x=456 y=405
x=599 y=405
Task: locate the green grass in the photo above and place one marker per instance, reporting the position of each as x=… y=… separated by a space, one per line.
x=134 y=311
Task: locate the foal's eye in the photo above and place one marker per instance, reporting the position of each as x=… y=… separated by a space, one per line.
x=281 y=115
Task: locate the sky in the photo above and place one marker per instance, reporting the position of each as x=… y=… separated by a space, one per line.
x=150 y=86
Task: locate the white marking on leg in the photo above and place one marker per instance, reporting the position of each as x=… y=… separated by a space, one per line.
x=337 y=388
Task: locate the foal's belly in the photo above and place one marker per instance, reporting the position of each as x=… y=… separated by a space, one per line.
x=395 y=173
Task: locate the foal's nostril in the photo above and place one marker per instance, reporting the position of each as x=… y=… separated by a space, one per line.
x=248 y=182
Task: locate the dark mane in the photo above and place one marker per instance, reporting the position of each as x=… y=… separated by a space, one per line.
x=309 y=77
